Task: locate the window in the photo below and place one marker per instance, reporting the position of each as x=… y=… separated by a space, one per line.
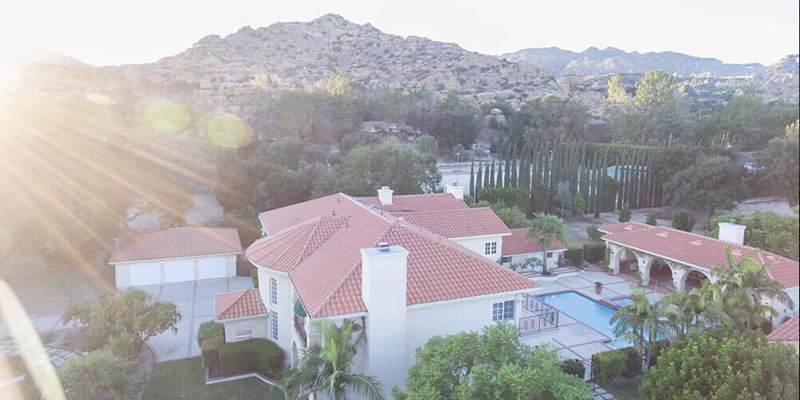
x=274 y=325
x=243 y=331
x=502 y=311
x=490 y=248
x=549 y=254
x=273 y=291
x=505 y=259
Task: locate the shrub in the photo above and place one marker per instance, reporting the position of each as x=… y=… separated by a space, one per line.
x=578 y=205
x=123 y=345
x=625 y=213
x=253 y=354
x=594 y=252
x=608 y=365
x=574 y=255
x=593 y=232
x=681 y=220
x=210 y=330
x=573 y=367
x=633 y=362
x=651 y=219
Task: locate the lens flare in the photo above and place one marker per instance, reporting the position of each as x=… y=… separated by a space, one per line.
x=163 y=115
x=224 y=129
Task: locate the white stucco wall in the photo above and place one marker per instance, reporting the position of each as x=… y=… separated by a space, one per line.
x=188 y=266
x=478 y=245
x=521 y=258
x=284 y=307
x=450 y=317
x=784 y=310
x=259 y=328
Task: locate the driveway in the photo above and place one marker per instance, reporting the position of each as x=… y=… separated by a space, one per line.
x=195 y=301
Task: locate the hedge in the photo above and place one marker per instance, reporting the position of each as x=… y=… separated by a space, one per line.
x=574 y=255
x=573 y=367
x=607 y=365
x=594 y=252
x=210 y=330
x=251 y=355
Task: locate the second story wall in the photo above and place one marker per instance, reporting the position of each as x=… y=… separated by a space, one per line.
x=489 y=246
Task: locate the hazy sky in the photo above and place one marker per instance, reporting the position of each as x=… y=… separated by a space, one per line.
x=103 y=32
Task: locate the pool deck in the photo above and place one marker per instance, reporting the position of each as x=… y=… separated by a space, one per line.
x=574 y=339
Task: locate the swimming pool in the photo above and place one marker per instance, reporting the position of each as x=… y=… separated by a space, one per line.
x=588 y=311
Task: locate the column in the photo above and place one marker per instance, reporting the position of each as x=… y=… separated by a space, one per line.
x=645 y=261
x=678 y=275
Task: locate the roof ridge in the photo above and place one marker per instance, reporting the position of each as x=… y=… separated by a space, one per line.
x=445 y=211
x=236 y=300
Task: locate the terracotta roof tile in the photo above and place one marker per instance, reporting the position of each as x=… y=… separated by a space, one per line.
x=630 y=226
x=789 y=330
x=244 y=303
x=178 y=242
x=418 y=202
x=459 y=223
x=323 y=259
x=701 y=251
x=517 y=244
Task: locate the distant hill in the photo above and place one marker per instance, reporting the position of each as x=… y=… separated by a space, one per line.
x=593 y=61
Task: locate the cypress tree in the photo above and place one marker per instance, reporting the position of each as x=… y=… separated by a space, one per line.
x=472 y=179
x=499 y=180
x=621 y=189
x=486 y=176
x=479 y=181
x=634 y=183
x=491 y=177
x=507 y=173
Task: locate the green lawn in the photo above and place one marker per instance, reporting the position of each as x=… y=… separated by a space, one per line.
x=183 y=379
x=624 y=389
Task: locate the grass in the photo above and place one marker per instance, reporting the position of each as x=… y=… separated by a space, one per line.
x=624 y=389
x=183 y=379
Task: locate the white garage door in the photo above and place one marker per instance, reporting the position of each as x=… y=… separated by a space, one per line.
x=211 y=267
x=145 y=274
x=178 y=271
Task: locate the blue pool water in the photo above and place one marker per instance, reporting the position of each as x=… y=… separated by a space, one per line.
x=623 y=301
x=588 y=311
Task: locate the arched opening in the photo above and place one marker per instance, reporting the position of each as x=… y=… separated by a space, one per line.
x=660 y=274
x=694 y=279
x=628 y=264
x=244 y=330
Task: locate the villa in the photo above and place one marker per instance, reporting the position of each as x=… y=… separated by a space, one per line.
x=684 y=259
x=405 y=268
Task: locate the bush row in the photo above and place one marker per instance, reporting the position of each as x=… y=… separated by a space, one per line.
x=590 y=252
x=251 y=355
x=608 y=365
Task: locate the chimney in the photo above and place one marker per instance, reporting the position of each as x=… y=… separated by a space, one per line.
x=385 y=196
x=455 y=190
x=731 y=232
x=383 y=290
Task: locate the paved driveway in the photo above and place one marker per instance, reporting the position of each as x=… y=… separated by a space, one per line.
x=195 y=301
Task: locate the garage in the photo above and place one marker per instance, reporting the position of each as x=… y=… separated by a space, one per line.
x=145 y=273
x=179 y=270
x=211 y=267
x=176 y=255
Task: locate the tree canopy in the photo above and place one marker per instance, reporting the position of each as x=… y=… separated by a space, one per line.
x=766 y=230
x=454 y=121
x=492 y=364
x=780 y=162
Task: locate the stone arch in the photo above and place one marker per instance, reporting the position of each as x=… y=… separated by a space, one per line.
x=660 y=273
x=694 y=279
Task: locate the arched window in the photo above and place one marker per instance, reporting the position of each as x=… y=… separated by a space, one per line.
x=273 y=291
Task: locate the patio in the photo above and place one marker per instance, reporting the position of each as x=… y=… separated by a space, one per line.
x=572 y=338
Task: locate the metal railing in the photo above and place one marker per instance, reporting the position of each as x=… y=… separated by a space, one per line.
x=543 y=316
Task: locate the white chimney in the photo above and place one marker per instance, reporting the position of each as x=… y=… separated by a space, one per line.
x=383 y=290
x=731 y=232
x=455 y=190
x=385 y=196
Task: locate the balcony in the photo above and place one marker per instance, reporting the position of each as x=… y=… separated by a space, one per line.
x=299 y=327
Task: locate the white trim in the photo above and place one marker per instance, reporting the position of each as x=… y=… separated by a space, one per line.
x=460 y=299
x=340 y=316
x=254 y=316
x=479 y=236
x=115 y=263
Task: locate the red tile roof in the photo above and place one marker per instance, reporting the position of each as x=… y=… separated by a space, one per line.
x=701 y=251
x=244 y=303
x=418 y=202
x=323 y=259
x=789 y=332
x=517 y=244
x=459 y=223
x=624 y=227
x=178 y=242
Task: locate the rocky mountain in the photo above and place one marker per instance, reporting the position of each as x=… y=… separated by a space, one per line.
x=234 y=72
x=593 y=61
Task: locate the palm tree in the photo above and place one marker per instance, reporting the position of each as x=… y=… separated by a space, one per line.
x=544 y=229
x=328 y=368
x=689 y=311
x=741 y=287
x=641 y=322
